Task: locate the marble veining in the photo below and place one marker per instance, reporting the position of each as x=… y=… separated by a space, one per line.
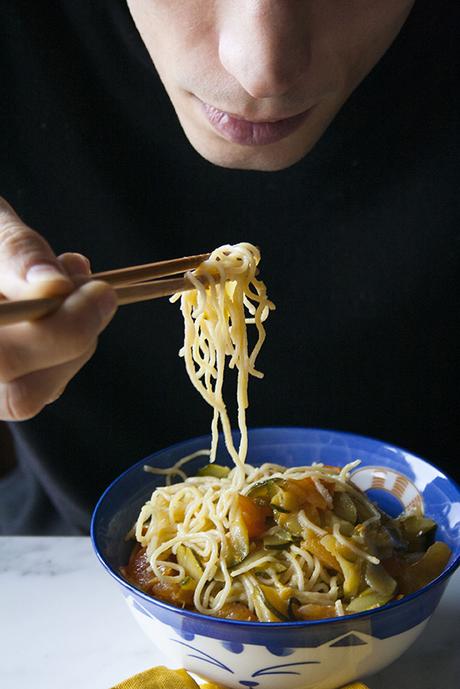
x=41 y=557
x=63 y=623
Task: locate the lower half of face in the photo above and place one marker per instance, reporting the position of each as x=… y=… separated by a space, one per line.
x=268 y=142
x=255 y=84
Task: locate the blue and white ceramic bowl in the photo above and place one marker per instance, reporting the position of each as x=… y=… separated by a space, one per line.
x=322 y=654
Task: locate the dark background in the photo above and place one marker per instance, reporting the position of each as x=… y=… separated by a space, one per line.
x=360 y=243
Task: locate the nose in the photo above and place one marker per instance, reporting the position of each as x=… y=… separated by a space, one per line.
x=265 y=45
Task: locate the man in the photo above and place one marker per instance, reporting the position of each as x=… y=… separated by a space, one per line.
x=357 y=222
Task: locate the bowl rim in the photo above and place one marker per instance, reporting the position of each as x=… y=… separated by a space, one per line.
x=200 y=617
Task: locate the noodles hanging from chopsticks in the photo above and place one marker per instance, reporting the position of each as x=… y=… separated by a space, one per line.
x=215 y=318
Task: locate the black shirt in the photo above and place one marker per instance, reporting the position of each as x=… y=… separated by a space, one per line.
x=360 y=249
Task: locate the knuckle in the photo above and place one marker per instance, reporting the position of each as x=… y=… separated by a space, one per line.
x=17 y=240
x=6 y=212
x=21 y=247
x=12 y=233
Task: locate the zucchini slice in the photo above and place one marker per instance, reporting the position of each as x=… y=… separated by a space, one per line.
x=264 y=609
x=215 y=470
x=351 y=570
x=187 y=559
x=274 y=602
x=264 y=490
x=378 y=579
x=258 y=557
x=238 y=542
x=345 y=508
x=293 y=605
x=279 y=540
x=289 y=522
x=284 y=501
x=368 y=600
x=188 y=584
x=418 y=531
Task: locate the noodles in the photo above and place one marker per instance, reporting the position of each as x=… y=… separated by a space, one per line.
x=215 y=328
x=265 y=543
x=191 y=524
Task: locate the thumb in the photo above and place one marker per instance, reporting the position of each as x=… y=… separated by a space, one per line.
x=28 y=266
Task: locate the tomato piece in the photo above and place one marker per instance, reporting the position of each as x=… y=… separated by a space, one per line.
x=139 y=573
x=138 y=569
x=330 y=486
x=312 y=513
x=254 y=516
x=312 y=496
x=171 y=592
x=313 y=545
x=236 y=611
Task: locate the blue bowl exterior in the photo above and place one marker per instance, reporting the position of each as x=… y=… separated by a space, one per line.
x=119 y=506
x=281 y=639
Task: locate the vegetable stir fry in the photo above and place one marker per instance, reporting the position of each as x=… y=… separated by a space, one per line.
x=303 y=544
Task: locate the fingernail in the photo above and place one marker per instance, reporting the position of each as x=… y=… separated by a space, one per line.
x=82 y=258
x=44 y=272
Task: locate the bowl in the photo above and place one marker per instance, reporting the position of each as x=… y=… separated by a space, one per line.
x=320 y=654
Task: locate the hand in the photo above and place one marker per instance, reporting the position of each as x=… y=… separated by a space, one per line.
x=39 y=358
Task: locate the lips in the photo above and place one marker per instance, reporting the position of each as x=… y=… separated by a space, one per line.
x=247 y=133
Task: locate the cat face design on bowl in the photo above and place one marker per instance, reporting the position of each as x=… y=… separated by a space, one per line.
x=265 y=667
x=235 y=665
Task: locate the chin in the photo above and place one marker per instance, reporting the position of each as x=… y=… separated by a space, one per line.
x=268 y=158
x=271 y=158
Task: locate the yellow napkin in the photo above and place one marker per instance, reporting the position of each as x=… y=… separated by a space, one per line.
x=162 y=678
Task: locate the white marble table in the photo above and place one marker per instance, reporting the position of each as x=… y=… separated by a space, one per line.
x=64 y=625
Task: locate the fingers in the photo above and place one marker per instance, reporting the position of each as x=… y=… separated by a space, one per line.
x=59 y=338
x=37 y=359
x=28 y=266
x=26 y=396
x=75 y=265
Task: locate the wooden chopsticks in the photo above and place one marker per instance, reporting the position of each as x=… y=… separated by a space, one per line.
x=132 y=284
x=150 y=271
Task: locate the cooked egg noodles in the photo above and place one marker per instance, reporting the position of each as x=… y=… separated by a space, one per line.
x=227 y=298
x=265 y=543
